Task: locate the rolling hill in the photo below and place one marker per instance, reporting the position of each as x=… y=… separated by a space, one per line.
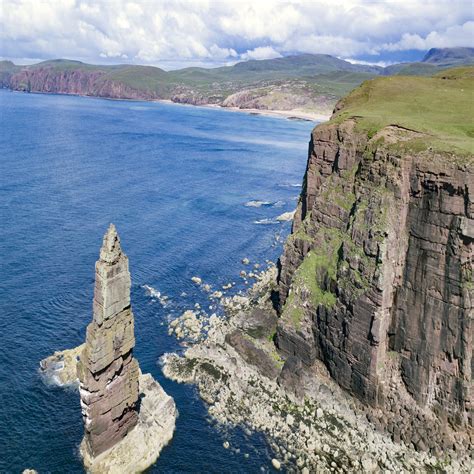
x=305 y=83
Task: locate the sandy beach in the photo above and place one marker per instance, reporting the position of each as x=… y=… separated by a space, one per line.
x=288 y=114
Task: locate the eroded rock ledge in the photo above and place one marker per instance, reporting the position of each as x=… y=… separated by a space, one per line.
x=128 y=417
x=153 y=429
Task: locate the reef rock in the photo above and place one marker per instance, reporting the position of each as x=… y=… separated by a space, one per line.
x=61 y=367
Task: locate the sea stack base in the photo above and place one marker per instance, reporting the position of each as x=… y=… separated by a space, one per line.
x=143 y=444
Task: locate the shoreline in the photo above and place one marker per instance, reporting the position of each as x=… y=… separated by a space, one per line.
x=275 y=113
x=309 y=421
x=286 y=114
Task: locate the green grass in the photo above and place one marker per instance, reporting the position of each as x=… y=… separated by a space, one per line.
x=412 y=69
x=316 y=266
x=142 y=78
x=440 y=107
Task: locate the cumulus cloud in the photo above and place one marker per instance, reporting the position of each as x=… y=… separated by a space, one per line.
x=451 y=37
x=262 y=52
x=178 y=32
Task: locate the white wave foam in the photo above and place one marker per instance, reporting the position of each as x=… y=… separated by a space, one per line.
x=156 y=295
x=290 y=185
x=266 y=222
x=257 y=203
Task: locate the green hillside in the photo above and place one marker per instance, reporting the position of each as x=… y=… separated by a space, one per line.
x=440 y=107
x=305 y=82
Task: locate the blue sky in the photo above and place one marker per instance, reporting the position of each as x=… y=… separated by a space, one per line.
x=176 y=33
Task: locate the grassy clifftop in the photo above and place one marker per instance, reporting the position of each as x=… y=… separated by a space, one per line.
x=440 y=107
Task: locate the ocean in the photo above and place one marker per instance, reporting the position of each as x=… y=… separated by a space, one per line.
x=192 y=191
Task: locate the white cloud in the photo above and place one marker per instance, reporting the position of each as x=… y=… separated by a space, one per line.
x=262 y=52
x=369 y=63
x=451 y=37
x=218 y=32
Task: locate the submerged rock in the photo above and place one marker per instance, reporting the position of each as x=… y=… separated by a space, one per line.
x=276 y=464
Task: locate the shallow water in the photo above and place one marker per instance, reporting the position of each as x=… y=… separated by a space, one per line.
x=175 y=181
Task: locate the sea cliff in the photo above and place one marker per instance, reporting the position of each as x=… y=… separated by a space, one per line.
x=376 y=279
x=356 y=356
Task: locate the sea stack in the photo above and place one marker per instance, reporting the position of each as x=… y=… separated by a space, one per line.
x=128 y=417
x=107 y=371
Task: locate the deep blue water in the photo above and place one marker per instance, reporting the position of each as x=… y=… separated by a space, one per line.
x=174 y=180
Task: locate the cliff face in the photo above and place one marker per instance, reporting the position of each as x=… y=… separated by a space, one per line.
x=77 y=82
x=376 y=279
x=108 y=372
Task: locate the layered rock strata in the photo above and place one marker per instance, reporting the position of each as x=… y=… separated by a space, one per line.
x=128 y=417
x=108 y=372
x=376 y=279
x=141 y=447
x=311 y=423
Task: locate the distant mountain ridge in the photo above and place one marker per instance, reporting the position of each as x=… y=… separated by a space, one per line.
x=434 y=60
x=449 y=56
x=304 y=83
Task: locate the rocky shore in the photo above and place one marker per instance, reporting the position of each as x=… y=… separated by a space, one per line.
x=311 y=423
x=142 y=446
x=61 y=367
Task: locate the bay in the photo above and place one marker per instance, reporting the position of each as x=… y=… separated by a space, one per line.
x=175 y=180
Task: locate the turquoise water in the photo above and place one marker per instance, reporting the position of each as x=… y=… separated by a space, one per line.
x=174 y=180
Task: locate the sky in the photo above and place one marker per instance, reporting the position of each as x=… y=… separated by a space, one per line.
x=175 y=33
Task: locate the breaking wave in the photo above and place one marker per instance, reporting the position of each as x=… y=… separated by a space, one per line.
x=266 y=222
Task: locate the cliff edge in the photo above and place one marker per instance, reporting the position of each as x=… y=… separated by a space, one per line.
x=376 y=279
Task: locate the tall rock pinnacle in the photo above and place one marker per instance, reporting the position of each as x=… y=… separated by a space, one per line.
x=108 y=372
